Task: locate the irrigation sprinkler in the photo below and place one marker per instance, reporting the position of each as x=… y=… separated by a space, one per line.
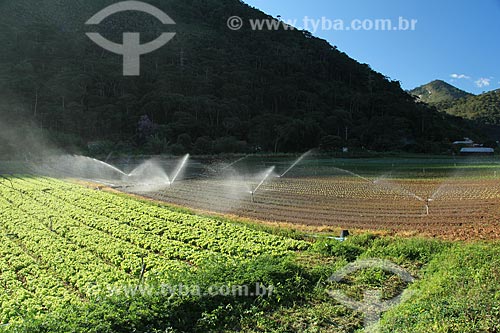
x=148 y=175
x=266 y=175
x=343 y=235
x=427 y=202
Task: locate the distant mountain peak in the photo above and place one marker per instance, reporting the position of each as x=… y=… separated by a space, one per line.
x=438 y=91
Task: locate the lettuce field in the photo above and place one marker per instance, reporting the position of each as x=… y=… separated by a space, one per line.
x=59 y=242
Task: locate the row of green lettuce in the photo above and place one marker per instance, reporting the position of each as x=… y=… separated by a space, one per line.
x=62 y=244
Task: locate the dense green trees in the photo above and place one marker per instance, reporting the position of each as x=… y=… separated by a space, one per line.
x=484 y=108
x=225 y=90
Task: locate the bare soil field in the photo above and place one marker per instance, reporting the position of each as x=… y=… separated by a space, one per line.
x=455 y=208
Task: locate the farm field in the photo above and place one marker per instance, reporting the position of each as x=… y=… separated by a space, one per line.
x=61 y=243
x=437 y=199
x=80 y=259
x=452 y=198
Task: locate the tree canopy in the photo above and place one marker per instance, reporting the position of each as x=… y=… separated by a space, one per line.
x=209 y=90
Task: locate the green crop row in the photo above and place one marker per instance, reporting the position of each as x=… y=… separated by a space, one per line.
x=110 y=231
x=25 y=287
x=61 y=221
x=74 y=265
x=61 y=241
x=199 y=231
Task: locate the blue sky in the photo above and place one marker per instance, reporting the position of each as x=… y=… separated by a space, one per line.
x=455 y=41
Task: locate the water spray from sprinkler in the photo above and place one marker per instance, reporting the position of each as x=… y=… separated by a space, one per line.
x=356 y=175
x=180 y=167
x=233 y=163
x=110 y=166
x=108 y=157
x=295 y=163
x=400 y=189
x=149 y=174
x=266 y=175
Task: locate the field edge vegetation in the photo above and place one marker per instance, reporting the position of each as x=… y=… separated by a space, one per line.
x=457 y=287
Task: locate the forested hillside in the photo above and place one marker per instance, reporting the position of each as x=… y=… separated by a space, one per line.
x=209 y=90
x=484 y=108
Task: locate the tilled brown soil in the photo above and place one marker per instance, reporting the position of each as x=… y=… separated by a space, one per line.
x=458 y=208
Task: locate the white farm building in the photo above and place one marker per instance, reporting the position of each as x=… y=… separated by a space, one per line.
x=477 y=151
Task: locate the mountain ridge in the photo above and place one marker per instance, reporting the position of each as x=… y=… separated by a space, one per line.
x=483 y=108
x=438 y=91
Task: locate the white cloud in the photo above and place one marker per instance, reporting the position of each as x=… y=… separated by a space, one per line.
x=460 y=76
x=483 y=82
